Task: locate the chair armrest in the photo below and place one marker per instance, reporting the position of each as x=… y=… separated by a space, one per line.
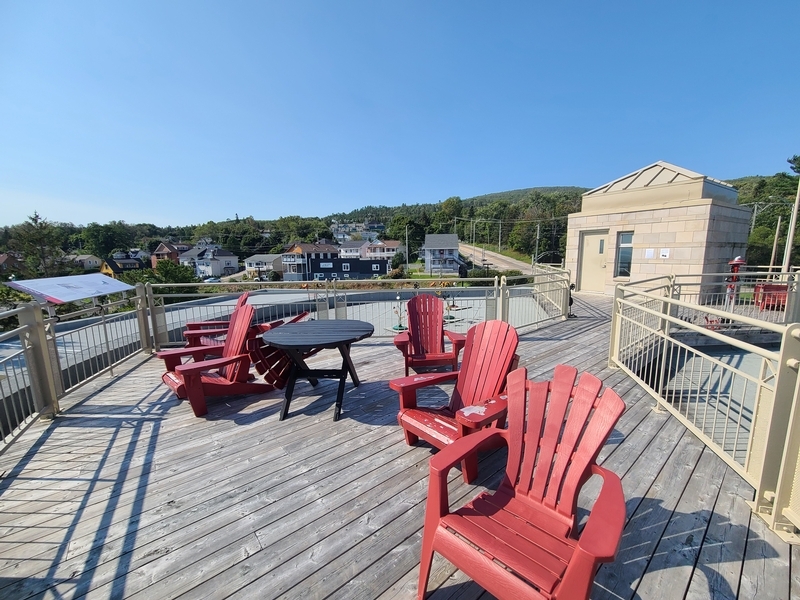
x=214 y=363
x=415 y=382
x=402 y=342
x=457 y=339
x=601 y=536
x=479 y=416
x=198 y=325
x=438 y=503
x=599 y=540
x=172 y=357
x=407 y=386
x=204 y=333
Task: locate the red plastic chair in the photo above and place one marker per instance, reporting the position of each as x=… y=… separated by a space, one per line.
x=488 y=358
x=423 y=344
x=523 y=540
x=210 y=333
x=225 y=376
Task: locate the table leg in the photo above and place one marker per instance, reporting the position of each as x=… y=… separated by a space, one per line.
x=348 y=364
x=287 y=396
x=337 y=410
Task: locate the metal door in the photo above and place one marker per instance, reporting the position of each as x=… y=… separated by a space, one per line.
x=594 y=246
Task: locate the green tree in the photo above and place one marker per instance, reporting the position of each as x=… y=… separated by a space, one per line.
x=794 y=163
x=101 y=240
x=40 y=243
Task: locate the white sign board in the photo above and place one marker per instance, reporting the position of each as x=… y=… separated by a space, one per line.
x=59 y=290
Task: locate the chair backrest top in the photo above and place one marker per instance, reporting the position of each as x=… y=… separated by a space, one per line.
x=236 y=338
x=242 y=300
x=426 y=324
x=554 y=444
x=488 y=356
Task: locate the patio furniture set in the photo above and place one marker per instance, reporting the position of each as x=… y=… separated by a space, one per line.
x=521 y=541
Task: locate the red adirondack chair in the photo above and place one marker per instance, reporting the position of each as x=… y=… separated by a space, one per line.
x=225 y=376
x=423 y=344
x=523 y=541
x=210 y=333
x=488 y=358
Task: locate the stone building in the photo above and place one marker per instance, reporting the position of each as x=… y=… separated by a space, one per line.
x=658 y=220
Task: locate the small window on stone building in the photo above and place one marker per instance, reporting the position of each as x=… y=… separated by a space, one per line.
x=624 y=254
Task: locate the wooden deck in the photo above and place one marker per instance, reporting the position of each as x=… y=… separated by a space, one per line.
x=128 y=495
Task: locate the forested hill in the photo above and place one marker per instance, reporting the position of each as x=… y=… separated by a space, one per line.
x=384 y=214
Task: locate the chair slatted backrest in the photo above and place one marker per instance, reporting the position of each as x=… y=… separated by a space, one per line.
x=550 y=455
x=488 y=357
x=426 y=324
x=236 y=341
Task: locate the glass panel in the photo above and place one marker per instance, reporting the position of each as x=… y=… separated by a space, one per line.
x=625 y=238
x=624 y=257
x=602 y=245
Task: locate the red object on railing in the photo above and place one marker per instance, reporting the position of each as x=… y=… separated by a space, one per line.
x=771 y=296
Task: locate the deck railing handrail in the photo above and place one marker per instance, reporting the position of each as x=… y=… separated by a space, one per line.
x=749 y=416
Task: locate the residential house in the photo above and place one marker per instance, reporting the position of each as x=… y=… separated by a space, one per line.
x=141 y=254
x=210 y=261
x=169 y=251
x=116 y=266
x=383 y=249
x=297 y=258
x=10 y=262
x=441 y=253
x=259 y=265
x=354 y=249
x=347 y=268
x=659 y=220
x=87 y=261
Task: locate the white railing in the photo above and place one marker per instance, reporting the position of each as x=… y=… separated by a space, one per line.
x=728 y=377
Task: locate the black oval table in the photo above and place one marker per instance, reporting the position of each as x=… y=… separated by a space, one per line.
x=300 y=339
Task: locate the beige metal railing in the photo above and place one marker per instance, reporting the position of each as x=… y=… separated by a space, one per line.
x=729 y=377
x=46 y=356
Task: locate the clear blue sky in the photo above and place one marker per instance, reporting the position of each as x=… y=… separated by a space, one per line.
x=184 y=112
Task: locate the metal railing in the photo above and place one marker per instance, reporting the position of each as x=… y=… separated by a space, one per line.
x=728 y=377
x=522 y=301
x=46 y=357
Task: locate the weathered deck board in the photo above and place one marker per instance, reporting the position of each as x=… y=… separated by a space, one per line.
x=128 y=495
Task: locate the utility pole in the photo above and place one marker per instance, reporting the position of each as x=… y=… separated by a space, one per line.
x=536 y=249
x=775 y=245
x=499 y=235
x=787 y=253
x=407 y=251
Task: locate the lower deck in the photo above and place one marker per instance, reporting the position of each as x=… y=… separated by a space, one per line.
x=128 y=495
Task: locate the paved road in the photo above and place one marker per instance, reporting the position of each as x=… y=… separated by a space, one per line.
x=498 y=261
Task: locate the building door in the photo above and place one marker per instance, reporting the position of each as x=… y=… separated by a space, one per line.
x=594 y=246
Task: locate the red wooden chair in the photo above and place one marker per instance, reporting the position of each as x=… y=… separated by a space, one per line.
x=488 y=358
x=423 y=344
x=523 y=541
x=225 y=376
x=210 y=333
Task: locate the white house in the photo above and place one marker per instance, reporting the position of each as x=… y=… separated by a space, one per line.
x=210 y=262
x=441 y=253
x=261 y=264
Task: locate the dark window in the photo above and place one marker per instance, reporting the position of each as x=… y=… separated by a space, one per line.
x=624 y=254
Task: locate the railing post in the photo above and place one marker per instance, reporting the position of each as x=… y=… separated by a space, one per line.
x=141 y=318
x=158 y=319
x=616 y=321
x=502 y=299
x=37 y=356
x=765 y=454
